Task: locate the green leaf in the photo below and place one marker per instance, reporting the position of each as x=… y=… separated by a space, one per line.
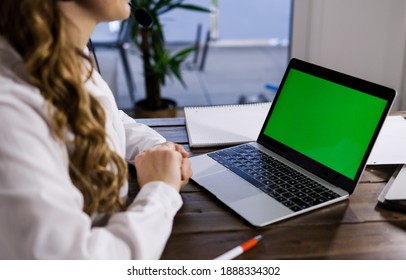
x=162 y=63
x=194 y=8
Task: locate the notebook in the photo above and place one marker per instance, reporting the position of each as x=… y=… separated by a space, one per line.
x=311 y=151
x=390 y=147
x=223 y=125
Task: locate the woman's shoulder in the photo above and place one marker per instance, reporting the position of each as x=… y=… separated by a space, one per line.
x=14 y=86
x=22 y=107
x=17 y=95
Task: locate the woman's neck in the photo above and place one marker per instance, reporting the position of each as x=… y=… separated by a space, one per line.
x=78 y=23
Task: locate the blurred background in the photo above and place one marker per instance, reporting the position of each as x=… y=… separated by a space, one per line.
x=252 y=41
x=243 y=60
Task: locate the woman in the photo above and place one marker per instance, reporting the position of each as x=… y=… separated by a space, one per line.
x=64 y=144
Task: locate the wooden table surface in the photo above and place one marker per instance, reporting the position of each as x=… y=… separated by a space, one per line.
x=356 y=228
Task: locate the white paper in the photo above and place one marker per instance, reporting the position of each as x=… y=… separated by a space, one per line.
x=224 y=124
x=390 y=147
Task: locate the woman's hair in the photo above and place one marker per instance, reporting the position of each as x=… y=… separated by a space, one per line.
x=35 y=28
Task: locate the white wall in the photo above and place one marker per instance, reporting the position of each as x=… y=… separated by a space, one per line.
x=364 y=38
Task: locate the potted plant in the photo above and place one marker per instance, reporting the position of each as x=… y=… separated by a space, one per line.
x=158 y=61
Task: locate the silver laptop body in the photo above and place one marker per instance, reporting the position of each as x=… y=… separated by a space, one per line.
x=322 y=125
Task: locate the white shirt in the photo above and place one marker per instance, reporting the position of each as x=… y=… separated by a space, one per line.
x=41 y=214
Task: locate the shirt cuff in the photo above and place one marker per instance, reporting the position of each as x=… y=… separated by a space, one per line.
x=162 y=193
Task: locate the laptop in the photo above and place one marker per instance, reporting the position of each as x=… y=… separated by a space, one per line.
x=311 y=151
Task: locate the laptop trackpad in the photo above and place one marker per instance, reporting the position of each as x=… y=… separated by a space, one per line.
x=227 y=186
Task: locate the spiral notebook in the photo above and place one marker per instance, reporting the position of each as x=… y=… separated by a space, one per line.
x=224 y=125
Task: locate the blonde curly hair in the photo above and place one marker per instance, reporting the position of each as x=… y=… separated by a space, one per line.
x=35 y=28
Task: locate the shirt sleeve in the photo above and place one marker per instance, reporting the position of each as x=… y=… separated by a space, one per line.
x=41 y=213
x=139 y=137
x=151 y=213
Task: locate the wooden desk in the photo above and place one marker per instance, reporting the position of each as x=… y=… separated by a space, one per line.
x=353 y=229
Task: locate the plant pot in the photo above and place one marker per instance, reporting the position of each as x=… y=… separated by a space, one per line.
x=167 y=111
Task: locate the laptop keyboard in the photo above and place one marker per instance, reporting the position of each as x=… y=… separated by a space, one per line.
x=286 y=185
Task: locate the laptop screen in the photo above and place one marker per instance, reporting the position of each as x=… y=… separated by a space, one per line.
x=329 y=123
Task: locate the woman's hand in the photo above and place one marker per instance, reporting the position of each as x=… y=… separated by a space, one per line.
x=167 y=162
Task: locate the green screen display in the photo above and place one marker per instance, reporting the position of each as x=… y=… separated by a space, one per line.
x=327 y=122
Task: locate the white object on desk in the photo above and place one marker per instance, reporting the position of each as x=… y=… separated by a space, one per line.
x=209 y=126
x=397 y=190
x=394 y=194
x=390 y=147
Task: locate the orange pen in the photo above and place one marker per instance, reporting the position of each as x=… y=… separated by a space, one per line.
x=235 y=252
